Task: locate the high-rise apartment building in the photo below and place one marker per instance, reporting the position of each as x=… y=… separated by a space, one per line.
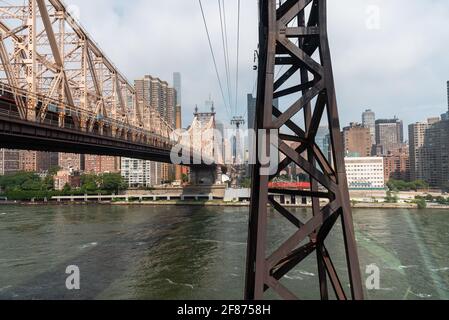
x=369 y=121
x=417 y=138
x=445 y=116
x=9 y=161
x=389 y=135
x=436 y=154
x=357 y=140
x=28 y=161
x=170 y=109
x=140 y=173
x=321 y=139
x=156 y=98
x=251 y=104
x=34 y=161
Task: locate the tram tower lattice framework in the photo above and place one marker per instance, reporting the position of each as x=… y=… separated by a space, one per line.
x=294 y=45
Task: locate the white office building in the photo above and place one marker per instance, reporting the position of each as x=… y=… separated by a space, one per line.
x=365 y=173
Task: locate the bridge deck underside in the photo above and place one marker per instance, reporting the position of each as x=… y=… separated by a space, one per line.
x=25 y=135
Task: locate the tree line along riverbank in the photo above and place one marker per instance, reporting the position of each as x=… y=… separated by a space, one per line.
x=28 y=186
x=24 y=187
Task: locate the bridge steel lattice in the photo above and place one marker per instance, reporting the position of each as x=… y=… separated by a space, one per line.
x=293 y=34
x=54 y=77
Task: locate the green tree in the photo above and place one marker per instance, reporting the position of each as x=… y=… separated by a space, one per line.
x=246 y=183
x=442 y=200
x=399 y=185
x=421 y=185
x=391 y=197
x=48 y=183
x=54 y=170
x=89 y=183
x=17 y=180
x=67 y=189
x=32 y=185
x=112 y=182
x=422 y=204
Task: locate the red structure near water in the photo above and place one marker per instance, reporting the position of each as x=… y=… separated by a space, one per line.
x=290 y=185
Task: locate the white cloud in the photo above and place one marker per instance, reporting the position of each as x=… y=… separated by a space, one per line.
x=161 y=37
x=400 y=69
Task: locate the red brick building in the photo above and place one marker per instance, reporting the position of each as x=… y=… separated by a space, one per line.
x=357 y=140
x=101 y=164
x=34 y=161
x=397 y=165
x=66 y=177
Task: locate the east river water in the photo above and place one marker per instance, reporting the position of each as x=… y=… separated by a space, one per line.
x=183 y=252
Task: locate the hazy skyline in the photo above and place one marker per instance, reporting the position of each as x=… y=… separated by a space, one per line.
x=385 y=59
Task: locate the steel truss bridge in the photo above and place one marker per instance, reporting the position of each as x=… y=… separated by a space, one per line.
x=59 y=92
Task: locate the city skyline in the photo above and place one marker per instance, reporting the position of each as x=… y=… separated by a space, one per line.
x=385 y=70
x=369 y=116
x=185 y=150
x=163 y=99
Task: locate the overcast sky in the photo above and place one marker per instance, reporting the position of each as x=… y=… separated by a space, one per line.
x=390 y=56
